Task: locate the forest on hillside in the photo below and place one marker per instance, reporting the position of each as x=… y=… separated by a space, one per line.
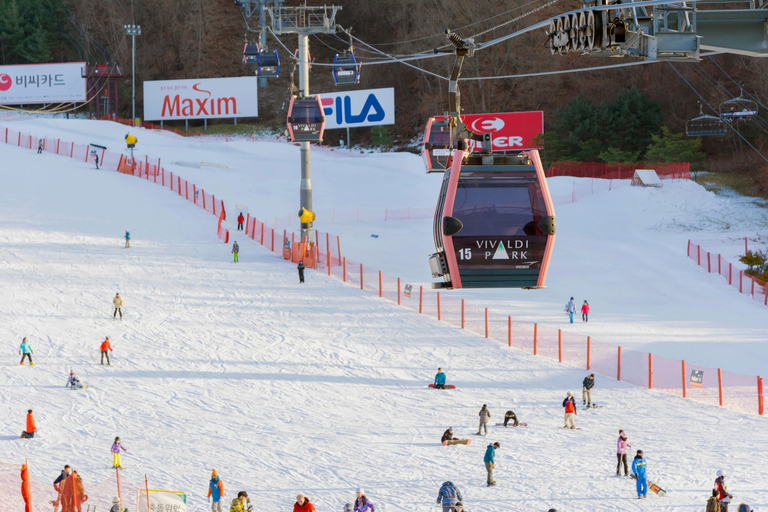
x=204 y=39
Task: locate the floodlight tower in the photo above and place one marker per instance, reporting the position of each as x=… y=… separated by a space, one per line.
x=133 y=31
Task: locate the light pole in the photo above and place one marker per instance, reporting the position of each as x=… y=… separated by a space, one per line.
x=133 y=31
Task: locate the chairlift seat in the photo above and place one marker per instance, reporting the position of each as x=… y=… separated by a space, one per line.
x=704 y=126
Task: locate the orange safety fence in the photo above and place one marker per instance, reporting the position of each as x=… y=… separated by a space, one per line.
x=623 y=171
x=717 y=264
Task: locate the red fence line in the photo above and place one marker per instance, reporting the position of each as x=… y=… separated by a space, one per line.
x=755 y=288
x=625 y=171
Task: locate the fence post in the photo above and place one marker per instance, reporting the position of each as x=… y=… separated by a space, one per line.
x=421 y=299
x=709 y=263
x=560 y=345
x=753 y=286
x=438 y=306
x=730 y=274
x=361 y=277
x=765 y=292
x=746 y=247
x=213 y=198
x=344 y=264
x=650 y=370
x=720 y=385
x=760 y=395
x=509 y=330
x=698 y=255
x=689 y=247
x=380 y=291
x=741 y=282
x=719 y=258
x=273 y=239
x=398 y=289
x=618 y=366
x=589 y=348
x=486 y=322
x=462 y=313
x=535 y=336
x=328 y=256
x=684 y=393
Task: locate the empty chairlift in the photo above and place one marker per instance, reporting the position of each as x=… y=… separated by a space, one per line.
x=346 y=70
x=268 y=65
x=306 y=120
x=704 y=126
x=251 y=54
x=436 y=147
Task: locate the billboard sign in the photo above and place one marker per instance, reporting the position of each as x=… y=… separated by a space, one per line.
x=511 y=131
x=355 y=109
x=30 y=84
x=204 y=98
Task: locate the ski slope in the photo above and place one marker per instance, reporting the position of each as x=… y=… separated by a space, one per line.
x=319 y=388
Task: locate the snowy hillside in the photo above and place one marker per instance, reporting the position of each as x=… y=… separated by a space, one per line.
x=319 y=388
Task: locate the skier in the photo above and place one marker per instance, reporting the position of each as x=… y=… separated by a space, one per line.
x=638 y=470
x=510 y=415
x=242 y=503
x=40 y=146
x=97 y=162
x=362 y=504
x=439 y=379
x=127 y=239
x=236 y=252
x=621 y=453
x=586 y=391
x=585 y=312
x=485 y=415
x=722 y=493
x=106 y=348
x=490 y=462
x=116 y=447
x=25 y=351
x=301 y=268
x=570 y=410
x=570 y=308
x=448 y=495
x=117 y=506
x=72 y=493
x=240 y=220
x=31 y=429
x=215 y=491
x=73 y=381
x=118 y=303
x=302 y=504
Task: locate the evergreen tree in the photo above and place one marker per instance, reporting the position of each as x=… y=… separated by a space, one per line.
x=675 y=147
x=381 y=136
x=30 y=30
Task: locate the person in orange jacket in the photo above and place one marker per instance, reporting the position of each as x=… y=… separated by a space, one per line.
x=216 y=491
x=31 y=429
x=570 y=410
x=106 y=348
x=302 y=504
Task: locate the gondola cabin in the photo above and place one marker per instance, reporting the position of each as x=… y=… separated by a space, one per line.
x=437 y=141
x=346 y=70
x=251 y=54
x=268 y=65
x=306 y=120
x=494 y=224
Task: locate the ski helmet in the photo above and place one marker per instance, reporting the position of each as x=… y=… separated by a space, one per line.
x=360 y=491
x=720 y=473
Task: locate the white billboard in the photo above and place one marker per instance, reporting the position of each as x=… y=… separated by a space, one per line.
x=28 y=84
x=371 y=107
x=204 y=98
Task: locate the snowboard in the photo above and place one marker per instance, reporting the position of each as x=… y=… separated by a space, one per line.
x=653 y=486
x=511 y=425
x=448 y=442
x=577 y=428
x=593 y=406
x=81 y=386
x=448 y=386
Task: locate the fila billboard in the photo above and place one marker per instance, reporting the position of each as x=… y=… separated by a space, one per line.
x=204 y=98
x=28 y=84
x=510 y=130
x=355 y=109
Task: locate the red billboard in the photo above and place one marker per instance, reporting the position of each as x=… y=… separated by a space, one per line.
x=511 y=131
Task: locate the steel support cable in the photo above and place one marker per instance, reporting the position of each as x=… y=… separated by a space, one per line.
x=710 y=107
x=736 y=83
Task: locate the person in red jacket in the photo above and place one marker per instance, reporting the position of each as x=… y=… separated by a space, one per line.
x=106 y=348
x=585 y=312
x=302 y=504
x=240 y=220
x=570 y=410
x=31 y=429
x=722 y=493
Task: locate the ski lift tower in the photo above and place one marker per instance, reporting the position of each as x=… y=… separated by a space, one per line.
x=250 y=8
x=304 y=21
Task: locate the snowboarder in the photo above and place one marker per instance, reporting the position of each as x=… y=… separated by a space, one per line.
x=510 y=415
x=722 y=493
x=621 y=453
x=118 y=303
x=570 y=308
x=638 y=470
x=570 y=410
x=585 y=312
x=73 y=381
x=485 y=415
x=440 y=379
x=40 y=146
x=31 y=429
x=106 y=348
x=448 y=435
x=215 y=491
x=97 y=162
x=302 y=504
x=25 y=351
x=490 y=462
x=362 y=504
x=117 y=506
x=236 y=252
x=127 y=239
x=448 y=495
x=242 y=503
x=116 y=447
x=586 y=391
x=240 y=220
x=57 y=486
x=301 y=268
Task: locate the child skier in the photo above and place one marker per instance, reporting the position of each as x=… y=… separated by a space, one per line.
x=621 y=453
x=236 y=252
x=638 y=470
x=362 y=504
x=25 y=351
x=570 y=410
x=116 y=447
x=723 y=496
x=215 y=491
x=74 y=382
x=585 y=312
x=117 y=506
x=106 y=348
x=301 y=268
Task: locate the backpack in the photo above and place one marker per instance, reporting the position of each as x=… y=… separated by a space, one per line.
x=713 y=505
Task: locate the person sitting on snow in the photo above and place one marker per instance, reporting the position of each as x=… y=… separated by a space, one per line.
x=74 y=381
x=440 y=379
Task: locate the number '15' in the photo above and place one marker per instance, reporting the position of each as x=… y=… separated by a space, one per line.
x=465 y=254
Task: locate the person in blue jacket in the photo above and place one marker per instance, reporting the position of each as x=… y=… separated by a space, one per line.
x=215 y=491
x=490 y=462
x=570 y=308
x=440 y=379
x=26 y=352
x=448 y=495
x=638 y=470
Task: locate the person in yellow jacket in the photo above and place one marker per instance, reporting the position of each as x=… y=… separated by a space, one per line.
x=118 y=303
x=241 y=503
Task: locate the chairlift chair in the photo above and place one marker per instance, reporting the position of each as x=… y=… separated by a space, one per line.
x=251 y=54
x=346 y=70
x=705 y=125
x=268 y=65
x=306 y=119
x=739 y=108
x=436 y=146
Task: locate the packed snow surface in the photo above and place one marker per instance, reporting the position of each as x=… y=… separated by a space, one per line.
x=320 y=388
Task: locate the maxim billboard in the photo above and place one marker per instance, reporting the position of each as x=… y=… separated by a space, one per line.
x=205 y=98
x=28 y=84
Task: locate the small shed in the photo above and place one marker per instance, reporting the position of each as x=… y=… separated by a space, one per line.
x=646 y=178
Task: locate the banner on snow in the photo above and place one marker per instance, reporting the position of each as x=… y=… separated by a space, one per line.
x=511 y=131
x=205 y=98
x=161 y=501
x=30 y=84
x=355 y=109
